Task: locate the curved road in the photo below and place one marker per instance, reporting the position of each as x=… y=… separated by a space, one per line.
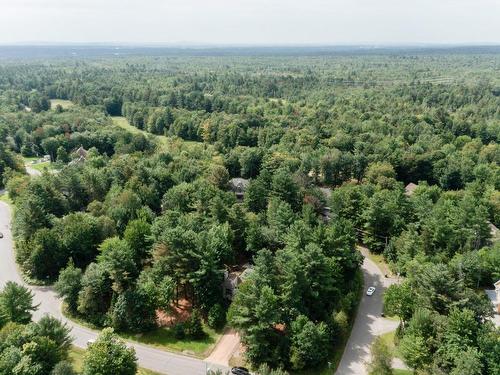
x=150 y=358
x=368 y=323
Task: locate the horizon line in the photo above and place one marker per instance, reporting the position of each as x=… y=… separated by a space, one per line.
x=247 y=45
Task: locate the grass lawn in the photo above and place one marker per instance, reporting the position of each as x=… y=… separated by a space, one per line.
x=38 y=166
x=388 y=338
x=29 y=159
x=167 y=143
x=63 y=103
x=123 y=123
x=163 y=338
x=5 y=198
x=402 y=372
x=76 y=358
x=41 y=166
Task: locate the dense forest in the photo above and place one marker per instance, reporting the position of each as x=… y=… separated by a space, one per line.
x=145 y=219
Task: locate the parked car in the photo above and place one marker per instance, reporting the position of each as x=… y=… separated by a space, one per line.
x=370 y=291
x=1 y=235
x=240 y=371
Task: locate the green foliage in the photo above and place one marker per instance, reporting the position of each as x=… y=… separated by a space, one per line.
x=109 y=356
x=63 y=368
x=117 y=259
x=149 y=227
x=399 y=301
x=193 y=327
x=35 y=348
x=415 y=351
x=309 y=343
x=216 y=316
x=138 y=235
x=69 y=284
x=94 y=296
x=381 y=358
x=16 y=303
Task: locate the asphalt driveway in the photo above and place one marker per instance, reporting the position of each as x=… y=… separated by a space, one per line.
x=368 y=324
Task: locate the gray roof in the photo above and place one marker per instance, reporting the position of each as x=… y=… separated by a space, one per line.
x=239 y=184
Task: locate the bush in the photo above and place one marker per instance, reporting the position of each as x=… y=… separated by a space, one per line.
x=193 y=326
x=63 y=368
x=381 y=363
x=341 y=321
x=266 y=370
x=179 y=332
x=216 y=317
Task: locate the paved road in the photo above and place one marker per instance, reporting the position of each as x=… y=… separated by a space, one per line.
x=156 y=360
x=368 y=323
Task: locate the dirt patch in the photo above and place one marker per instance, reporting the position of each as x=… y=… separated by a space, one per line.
x=178 y=314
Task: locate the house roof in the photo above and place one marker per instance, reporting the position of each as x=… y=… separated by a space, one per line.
x=493 y=229
x=410 y=188
x=497 y=284
x=81 y=152
x=238 y=184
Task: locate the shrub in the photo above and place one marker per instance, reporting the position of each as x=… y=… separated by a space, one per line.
x=342 y=322
x=179 y=332
x=194 y=326
x=63 y=368
x=381 y=363
x=216 y=317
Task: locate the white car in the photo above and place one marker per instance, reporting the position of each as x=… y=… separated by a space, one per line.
x=370 y=291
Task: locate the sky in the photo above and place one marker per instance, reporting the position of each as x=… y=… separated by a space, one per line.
x=253 y=22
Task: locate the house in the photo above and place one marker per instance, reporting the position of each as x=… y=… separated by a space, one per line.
x=494 y=296
x=497 y=295
x=233 y=279
x=80 y=156
x=495 y=233
x=410 y=189
x=81 y=153
x=238 y=186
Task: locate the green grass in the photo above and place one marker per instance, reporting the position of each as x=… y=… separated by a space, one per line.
x=402 y=372
x=167 y=143
x=28 y=159
x=5 y=198
x=379 y=260
x=76 y=358
x=41 y=166
x=163 y=338
x=388 y=338
x=38 y=166
x=123 y=123
x=63 y=103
